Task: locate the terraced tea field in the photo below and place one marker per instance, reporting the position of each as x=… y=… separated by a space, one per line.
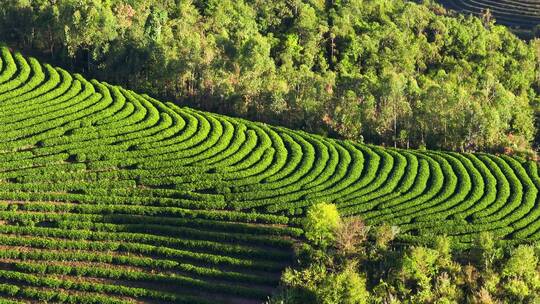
x=108 y=196
x=516 y=13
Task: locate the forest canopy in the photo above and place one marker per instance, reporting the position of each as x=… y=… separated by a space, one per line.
x=389 y=72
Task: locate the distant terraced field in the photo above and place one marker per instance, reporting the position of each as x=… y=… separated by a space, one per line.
x=515 y=13
x=108 y=196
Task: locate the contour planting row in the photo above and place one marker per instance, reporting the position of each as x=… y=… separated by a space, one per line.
x=105 y=191
x=207 y=156
x=518 y=13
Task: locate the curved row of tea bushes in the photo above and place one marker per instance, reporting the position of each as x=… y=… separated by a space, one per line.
x=516 y=13
x=131 y=199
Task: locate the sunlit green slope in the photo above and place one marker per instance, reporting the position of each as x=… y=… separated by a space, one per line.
x=515 y=13
x=108 y=196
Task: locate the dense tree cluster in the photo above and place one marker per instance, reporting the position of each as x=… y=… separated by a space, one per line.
x=389 y=72
x=361 y=264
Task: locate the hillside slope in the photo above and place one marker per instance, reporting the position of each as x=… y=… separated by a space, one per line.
x=108 y=196
x=516 y=13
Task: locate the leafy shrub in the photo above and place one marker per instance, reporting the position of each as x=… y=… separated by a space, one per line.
x=321 y=222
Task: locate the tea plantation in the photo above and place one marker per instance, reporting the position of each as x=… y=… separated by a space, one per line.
x=515 y=13
x=108 y=196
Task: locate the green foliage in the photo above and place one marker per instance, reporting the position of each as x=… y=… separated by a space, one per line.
x=324 y=279
x=321 y=223
x=395 y=73
x=522 y=264
x=346 y=287
x=414 y=274
x=384 y=234
x=420 y=266
x=109 y=196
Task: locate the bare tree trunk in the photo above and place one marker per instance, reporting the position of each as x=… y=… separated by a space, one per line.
x=395 y=125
